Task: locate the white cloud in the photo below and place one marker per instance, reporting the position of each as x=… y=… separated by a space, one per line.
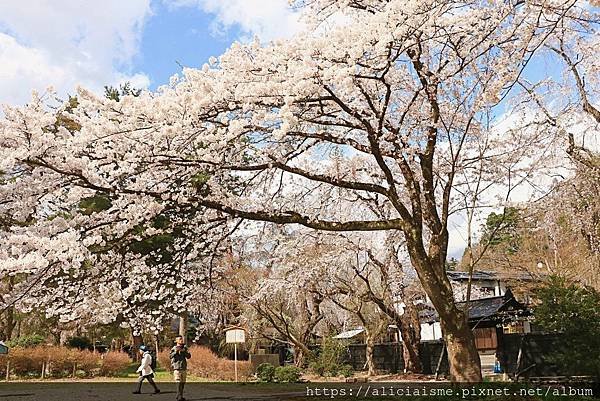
x=63 y=43
x=268 y=19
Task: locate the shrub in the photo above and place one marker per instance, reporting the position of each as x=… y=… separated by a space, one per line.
x=226 y=370
x=163 y=359
x=329 y=360
x=86 y=361
x=23 y=361
x=57 y=362
x=81 y=343
x=287 y=374
x=205 y=363
x=574 y=311
x=265 y=372
x=346 y=370
x=64 y=362
x=114 y=363
x=27 y=341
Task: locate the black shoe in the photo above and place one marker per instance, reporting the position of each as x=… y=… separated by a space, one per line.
x=136 y=392
x=156 y=391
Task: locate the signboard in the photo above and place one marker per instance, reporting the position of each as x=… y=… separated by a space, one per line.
x=3 y=348
x=235 y=336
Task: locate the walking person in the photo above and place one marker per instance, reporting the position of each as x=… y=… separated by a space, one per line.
x=179 y=356
x=145 y=370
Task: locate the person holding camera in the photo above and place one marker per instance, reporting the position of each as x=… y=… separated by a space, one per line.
x=179 y=356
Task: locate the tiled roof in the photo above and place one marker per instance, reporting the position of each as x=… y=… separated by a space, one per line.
x=484 y=308
x=489 y=275
x=477 y=275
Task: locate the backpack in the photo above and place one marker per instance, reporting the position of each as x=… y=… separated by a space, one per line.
x=153 y=362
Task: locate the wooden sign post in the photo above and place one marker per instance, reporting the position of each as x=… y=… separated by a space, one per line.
x=235 y=335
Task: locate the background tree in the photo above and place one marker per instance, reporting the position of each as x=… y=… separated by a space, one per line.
x=573 y=311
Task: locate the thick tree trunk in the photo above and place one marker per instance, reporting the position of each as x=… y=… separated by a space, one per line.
x=299 y=357
x=301 y=352
x=465 y=365
x=410 y=329
x=156 y=343
x=463 y=357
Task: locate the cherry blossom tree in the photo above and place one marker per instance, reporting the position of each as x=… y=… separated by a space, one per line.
x=382 y=101
x=91 y=254
x=396 y=296
x=360 y=274
x=567 y=220
x=370 y=317
x=391 y=100
x=291 y=296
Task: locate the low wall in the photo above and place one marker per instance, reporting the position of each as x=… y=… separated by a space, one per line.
x=536 y=354
x=257 y=359
x=388 y=357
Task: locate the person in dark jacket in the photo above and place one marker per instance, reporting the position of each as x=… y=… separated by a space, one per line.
x=145 y=370
x=179 y=356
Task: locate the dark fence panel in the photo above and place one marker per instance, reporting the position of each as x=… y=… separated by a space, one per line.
x=388 y=357
x=536 y=355
x=430 y=357
x=536 y=360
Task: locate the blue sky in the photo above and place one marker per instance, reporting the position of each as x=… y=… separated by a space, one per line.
x=180 y=35
x=66 y=43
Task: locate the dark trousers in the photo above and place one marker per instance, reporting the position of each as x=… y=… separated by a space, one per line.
x=150 y=380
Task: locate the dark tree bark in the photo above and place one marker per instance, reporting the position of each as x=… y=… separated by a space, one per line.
x=410 y=329
x=183 y=326
x=137 y=340
x=9 y=323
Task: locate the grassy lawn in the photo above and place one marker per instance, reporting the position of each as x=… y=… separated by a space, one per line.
x=128 y=375
x=160 y=375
